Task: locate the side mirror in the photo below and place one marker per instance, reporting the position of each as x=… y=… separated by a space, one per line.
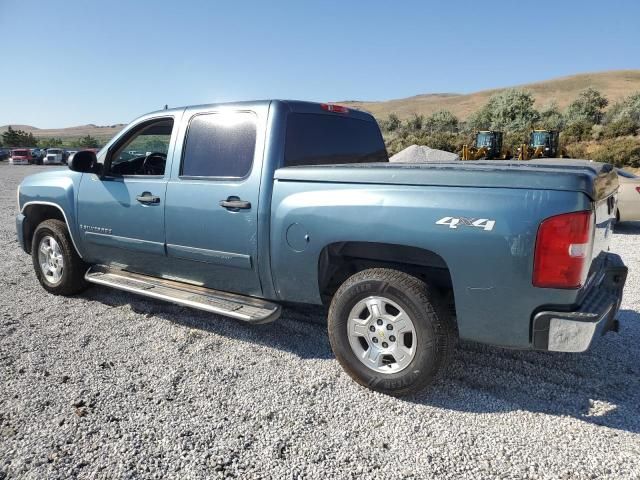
x=84 y=161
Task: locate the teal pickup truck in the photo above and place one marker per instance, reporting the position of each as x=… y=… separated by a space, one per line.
x=237 y=208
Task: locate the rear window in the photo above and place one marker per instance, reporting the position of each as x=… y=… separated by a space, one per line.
x=54 y=151
x=316 y=139
x=220 y=145
x=20 y=153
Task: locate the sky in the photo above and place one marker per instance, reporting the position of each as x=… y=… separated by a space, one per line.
x=73 y=62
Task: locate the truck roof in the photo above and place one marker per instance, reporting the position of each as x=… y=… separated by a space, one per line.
x=597 y=180
x=299 y=106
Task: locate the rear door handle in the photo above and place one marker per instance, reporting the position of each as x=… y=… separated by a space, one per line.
x=147 y=198
x=235 y=204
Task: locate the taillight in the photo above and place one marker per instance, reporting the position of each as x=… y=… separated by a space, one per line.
x=334 y=108
x=563 y=251
x=638 y=189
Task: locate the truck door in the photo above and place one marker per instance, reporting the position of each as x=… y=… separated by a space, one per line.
x=121 y=216
x=211 y=211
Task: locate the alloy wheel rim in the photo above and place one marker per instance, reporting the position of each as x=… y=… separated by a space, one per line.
x=381 y=335
x=50 y=259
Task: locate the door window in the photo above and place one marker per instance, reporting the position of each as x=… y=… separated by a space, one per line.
x=144 y=151
x=220 y=145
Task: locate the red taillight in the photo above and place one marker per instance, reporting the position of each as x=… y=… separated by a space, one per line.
x=638 y=189
x=563 y=251
x=334 y=108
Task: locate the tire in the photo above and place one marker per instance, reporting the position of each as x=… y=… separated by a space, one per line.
x=54 y=237
x=432 y=337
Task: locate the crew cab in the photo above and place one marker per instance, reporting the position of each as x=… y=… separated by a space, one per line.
x=238 y=208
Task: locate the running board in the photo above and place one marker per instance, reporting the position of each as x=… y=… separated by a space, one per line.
x=247 y=309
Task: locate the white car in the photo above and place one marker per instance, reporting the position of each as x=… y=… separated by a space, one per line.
x=54 y=156
x=628 y=197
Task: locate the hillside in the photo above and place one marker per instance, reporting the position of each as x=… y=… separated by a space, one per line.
x=614 y=85
x=102 y=133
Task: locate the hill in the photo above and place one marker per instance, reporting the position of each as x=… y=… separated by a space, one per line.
x=614 y=85
x=102 y=133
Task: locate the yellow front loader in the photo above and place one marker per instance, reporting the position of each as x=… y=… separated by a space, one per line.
x=488 y=146
x=542 y=144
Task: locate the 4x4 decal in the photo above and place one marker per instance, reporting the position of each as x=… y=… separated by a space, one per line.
x=455 y=222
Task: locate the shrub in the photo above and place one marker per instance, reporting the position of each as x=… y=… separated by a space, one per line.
x=577 y=131
x=588 y=106
x=619 y=151
x=619 y=128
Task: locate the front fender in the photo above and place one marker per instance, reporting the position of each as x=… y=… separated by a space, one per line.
x=56 y=189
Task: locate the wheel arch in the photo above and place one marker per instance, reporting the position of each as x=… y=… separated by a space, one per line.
x=338 y=261
x=37 y=212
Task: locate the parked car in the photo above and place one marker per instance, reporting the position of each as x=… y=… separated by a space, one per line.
x=628 y=197
x=5 y=153
x=54 y=156
x=20 y=156
x=242 y=207
x=37 y=156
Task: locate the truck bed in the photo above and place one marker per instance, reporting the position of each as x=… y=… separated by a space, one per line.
x=597 y=180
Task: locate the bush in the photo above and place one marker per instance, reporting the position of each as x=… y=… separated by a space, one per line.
x=619 y=151
x=588 y=106
x=620 y=128
x=577 y=131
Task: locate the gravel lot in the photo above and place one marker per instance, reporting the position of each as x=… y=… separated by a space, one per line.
x=108 y=385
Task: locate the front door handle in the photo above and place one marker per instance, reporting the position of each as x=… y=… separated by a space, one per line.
x=235 y=204
x=147 y=198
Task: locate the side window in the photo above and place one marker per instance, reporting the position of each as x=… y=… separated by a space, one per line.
x=144 y=151
x=219 y=145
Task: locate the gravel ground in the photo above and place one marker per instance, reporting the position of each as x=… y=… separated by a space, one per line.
x=108 y=385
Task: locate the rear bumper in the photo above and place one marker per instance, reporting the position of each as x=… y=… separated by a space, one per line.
x=575 y=330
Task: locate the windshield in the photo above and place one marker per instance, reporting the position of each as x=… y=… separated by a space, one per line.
x=20 y=153
x=484 y=139
x=54 y=151
x=539 y=139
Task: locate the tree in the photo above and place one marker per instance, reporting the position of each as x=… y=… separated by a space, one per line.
x=588 y=106
x=628 y=109
x=87 y=142
x=391 y=124
x=507 y=111
x=415 y=123
x=550 y=117
x=50 y=142
x=442 y=121
x=18 y=138
x=577 y=131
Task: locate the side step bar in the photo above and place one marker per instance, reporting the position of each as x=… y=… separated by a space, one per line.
x=247 y=309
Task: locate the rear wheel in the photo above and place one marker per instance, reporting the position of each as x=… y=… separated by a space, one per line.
x=58 y=267
x=390 y=331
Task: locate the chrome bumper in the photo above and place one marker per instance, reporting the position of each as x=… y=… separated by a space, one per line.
x=574 y=331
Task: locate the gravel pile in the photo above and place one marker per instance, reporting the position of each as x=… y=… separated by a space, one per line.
x=423 y=154
x=109 y=385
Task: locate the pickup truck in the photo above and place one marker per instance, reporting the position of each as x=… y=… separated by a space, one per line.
x=237 y=209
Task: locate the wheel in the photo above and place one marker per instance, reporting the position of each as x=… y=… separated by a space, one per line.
x=390 y=331
x=59 y=268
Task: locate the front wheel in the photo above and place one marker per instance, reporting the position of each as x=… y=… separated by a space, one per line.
x=59 y=268
x=390 y=331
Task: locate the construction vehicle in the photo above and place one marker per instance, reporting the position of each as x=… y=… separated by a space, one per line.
x=488 y=146
x=542 y=144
